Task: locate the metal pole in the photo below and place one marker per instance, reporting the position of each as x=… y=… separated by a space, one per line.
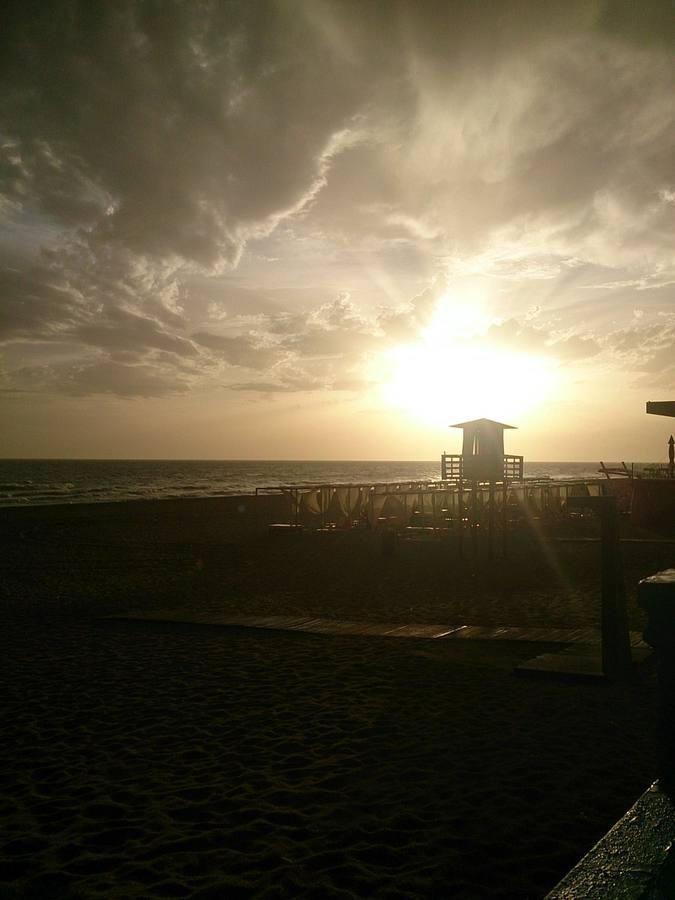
x=616 y=653
x=474 y=514
x=505 y=519
x=460 y=541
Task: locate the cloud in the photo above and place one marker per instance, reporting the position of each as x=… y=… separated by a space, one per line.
x=647 y=349
x=96 y=377
x=33 y=304
x=144 y=148
x=271 y=387
x=238 y=351
x=332 y=329
x=405 y=322
x=187 y=132
x=322 y=349
x=122 y=330
x=181 y=131
x=522 y=337
x=107 y=300
x=289 y=384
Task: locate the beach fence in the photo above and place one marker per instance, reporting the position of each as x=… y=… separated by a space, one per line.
x=347 y=506
x=431 y=509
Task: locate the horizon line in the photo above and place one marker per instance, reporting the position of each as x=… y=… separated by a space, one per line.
x=261 y=459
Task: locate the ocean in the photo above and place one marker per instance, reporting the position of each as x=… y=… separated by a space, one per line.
x=34 y=482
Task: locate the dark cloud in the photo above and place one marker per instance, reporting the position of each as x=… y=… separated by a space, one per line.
x=178 y=129
x=113 y=303
x=32 y=304
x=183 y=129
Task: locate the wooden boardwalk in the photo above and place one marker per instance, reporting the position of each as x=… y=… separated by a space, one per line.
x=589 y=636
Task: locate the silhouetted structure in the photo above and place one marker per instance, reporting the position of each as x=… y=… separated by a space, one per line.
x=482 y=458
x=482 y=489
x=435 y=507
x=657 y=598
x=482 y=461
x=665 y=408
x=648 y=492
x=661 y=408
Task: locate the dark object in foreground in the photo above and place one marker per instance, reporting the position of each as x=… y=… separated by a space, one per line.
x=657 y=597
x=634 y=860
x=661 y=407
x=577 y=663
x=616 y=656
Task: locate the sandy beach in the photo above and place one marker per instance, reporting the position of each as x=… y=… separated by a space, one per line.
x=167 y=761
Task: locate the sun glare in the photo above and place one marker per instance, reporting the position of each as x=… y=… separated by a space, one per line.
x=459 y=315
x=453 y=373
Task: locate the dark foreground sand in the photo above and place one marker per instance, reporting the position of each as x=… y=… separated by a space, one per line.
x=158 y=761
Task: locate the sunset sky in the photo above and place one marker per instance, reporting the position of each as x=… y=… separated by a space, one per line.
x=326 y=230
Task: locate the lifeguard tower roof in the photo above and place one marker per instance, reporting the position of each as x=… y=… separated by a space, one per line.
x=480 y=422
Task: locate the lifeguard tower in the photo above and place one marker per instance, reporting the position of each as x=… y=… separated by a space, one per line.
x=482 y=458
x=476 y=471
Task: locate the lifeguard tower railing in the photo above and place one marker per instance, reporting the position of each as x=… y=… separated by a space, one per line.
x=452 y=467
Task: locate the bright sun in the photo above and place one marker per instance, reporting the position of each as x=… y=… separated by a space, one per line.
x=450 y=374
